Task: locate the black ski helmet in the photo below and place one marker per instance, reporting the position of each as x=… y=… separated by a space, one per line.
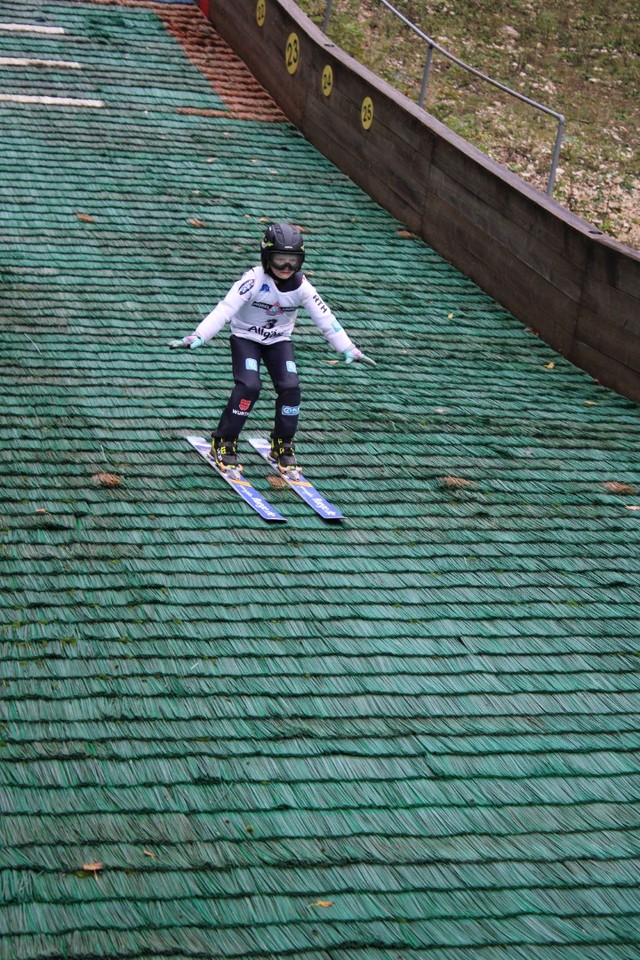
x=281 y=238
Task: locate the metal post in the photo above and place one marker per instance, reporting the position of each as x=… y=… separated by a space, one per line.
x=327 y=14
x=556 y=156
x=425 y=76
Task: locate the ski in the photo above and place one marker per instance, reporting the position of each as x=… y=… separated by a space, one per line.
x=237 y=482
x=299 y=483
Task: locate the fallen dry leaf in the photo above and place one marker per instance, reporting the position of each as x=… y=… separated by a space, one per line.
x=195 y=222
x=150 y=853
x=321 y=903
x=202 y=112
x=85 y=217
x=457 y=482
x=615 y=487
x=278 y=483
x=106 y=480
x=94 y=868
x=549 y=366
x=406 y=234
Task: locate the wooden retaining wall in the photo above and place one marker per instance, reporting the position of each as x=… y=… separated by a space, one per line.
x=579 y=289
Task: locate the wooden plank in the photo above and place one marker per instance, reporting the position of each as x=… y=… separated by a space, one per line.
x=504 y=232
x=607 y=370
x=393 y=174
x=537 y=302
x=616 y=338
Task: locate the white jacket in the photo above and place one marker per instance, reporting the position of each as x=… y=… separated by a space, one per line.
x=257 y=310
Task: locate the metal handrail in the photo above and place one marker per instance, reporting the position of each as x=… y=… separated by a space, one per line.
x=434 y=45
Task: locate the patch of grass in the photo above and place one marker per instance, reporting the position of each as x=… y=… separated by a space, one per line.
x=581 y=59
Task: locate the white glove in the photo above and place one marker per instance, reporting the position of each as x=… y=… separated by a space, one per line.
x=191 y=341
x=356 y=354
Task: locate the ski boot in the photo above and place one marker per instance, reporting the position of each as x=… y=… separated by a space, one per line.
x=284 y=454
x=224 y=454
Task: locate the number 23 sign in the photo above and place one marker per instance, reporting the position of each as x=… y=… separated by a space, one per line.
x=292 y=57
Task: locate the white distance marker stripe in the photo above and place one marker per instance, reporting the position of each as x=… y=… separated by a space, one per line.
x=29 y=28
x=50 y=101
x=31 y=62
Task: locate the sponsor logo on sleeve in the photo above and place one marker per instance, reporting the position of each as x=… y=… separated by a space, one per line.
x=320 y=303
x=291 y=366
x=290 y=411
x=251 y=364
x=245 y=287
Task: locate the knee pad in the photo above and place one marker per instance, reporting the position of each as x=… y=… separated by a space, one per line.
x=250 y=389
x=289 y=394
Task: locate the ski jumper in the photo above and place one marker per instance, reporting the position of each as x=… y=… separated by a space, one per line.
x=262 y=314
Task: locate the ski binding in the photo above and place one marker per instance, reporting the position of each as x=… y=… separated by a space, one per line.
x=237 y=482
x=298 y=483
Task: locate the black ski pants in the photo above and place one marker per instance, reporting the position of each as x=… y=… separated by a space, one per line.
x=279 y=359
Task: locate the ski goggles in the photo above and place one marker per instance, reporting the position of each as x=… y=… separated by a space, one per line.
x=285 y=261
